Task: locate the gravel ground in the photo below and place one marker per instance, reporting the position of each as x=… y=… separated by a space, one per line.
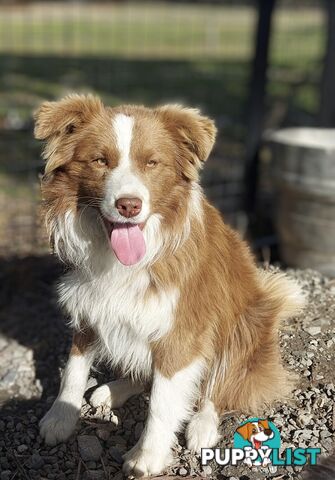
x=34 y=343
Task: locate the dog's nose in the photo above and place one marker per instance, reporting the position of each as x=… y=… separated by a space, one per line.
x=268 y=431
x=128 y=207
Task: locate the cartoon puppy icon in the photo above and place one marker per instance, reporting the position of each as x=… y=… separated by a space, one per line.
x=256 y=433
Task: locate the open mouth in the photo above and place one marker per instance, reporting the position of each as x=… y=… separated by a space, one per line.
x=257 y=444
x=127 y=241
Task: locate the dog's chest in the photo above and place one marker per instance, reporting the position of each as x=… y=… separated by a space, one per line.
x=124 y=312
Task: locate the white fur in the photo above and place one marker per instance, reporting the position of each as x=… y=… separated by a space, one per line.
x=202 y=431
x=113 y=298
x=115 y=394
x=171 y=404
x=216 y=373
x=123 y=130
x=195 y=208
x=60 y=421
x=123 y=181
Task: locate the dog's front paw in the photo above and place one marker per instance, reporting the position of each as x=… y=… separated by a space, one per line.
x=58 y=423
x=141 y=462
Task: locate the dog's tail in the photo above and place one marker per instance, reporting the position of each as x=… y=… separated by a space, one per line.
x=253 y=373
x=283 y=295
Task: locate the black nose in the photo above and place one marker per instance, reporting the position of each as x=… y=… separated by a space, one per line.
x=268 y=431
x=128 y=207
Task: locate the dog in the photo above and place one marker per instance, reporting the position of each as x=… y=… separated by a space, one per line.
x=256 y=433
x=157 y=284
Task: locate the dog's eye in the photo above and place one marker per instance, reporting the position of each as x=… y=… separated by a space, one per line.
x=151 y=163
x=101 y=162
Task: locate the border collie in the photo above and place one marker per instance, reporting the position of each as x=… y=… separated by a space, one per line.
x=158 y=285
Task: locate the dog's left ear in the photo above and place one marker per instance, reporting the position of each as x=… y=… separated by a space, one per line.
x=193 y=133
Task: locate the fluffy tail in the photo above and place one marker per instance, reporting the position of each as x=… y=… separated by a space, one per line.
x=282 y=293
x=253 y=373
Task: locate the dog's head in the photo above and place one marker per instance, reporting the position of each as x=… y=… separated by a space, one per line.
x=256 y=432
x=130 y=164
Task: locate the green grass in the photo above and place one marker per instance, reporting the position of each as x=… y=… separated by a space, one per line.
x=156 y=30
x=145 y=53
x=154 y=53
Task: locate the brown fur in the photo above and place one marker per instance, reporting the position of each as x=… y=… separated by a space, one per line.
x=82 y=340
x=229 y=312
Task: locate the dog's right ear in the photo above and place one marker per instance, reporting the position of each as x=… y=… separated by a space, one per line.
x=65 y=116
x=244 y=431
x=58 y=122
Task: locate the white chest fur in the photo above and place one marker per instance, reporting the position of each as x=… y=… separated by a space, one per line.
x=116 y=303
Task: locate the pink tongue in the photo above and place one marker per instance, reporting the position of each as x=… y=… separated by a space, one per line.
x=128 y=243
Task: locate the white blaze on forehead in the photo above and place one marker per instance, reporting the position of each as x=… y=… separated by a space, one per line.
x=124 y=180
x=123 y=128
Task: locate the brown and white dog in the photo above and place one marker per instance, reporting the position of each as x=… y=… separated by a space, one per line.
x=159 y=286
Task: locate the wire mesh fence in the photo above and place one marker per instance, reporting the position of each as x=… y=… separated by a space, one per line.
x=194 y=53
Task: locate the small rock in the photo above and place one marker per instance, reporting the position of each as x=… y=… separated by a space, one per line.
x=207 y=470
x=94 y=475
x=304 y=420
x=36 y=461
x=118 y=476
x=89 y=447
x=182 y=471
x=115 y=454
x=22 y=448
x=118 y=439
x=313 y=330
x=6 y=475
x=103 y=433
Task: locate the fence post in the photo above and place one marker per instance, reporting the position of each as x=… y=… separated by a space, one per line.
x=256 y=107
x=327 y=107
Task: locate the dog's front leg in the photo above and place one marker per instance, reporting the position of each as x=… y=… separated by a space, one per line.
x=171 y=403
x=60 y=421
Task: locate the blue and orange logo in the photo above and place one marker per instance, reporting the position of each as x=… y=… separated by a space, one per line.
x=257 y=435
x=257 y=443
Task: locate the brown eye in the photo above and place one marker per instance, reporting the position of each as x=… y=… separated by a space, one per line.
x=101 y=162
x=151 y=163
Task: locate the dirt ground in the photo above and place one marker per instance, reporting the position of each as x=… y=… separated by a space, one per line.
x=33 y=345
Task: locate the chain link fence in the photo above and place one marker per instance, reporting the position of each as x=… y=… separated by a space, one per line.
x=196 y=53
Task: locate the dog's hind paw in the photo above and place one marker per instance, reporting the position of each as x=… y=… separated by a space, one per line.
x=114 y=394
x=202 y=431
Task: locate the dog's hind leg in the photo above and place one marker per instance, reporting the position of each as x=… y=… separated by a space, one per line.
x=115 y=394
x=203 y=428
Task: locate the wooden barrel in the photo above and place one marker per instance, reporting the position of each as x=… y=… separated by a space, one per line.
x=304 y=167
